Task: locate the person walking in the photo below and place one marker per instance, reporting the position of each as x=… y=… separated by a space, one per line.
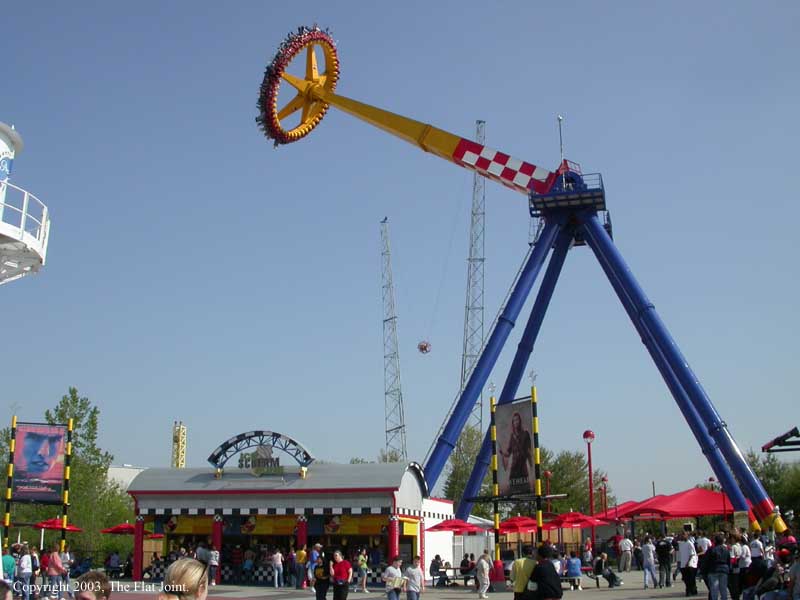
x=341 y=575
x=300 y=558
x=719 y=564
x=664 y=555
x=687 y=555
x=321 y=578
x=745 y=562
x=213 y=564
x=521 y=571
x=482 y=569
x=67 y=560
x=24 y=572
x=393 y=578
x=277 y=568
x=649 y=561
x=415 y=580
x=363 y=570
x=735 y=548
x=625 y=554
x=55 y=571
x=544 y=578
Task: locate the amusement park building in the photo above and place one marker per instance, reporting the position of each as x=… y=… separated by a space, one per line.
x=384 y=507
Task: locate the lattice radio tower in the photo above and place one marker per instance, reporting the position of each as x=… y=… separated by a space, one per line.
x=178 y=445
x=393 y=393
x=473 y=311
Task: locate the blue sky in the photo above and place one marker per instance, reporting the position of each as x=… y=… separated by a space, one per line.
x=196 y=273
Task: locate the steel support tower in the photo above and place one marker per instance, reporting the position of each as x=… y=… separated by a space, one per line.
x=392 y=390
x=473 y=310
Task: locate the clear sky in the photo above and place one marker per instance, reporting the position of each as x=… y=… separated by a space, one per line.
x=196 y=273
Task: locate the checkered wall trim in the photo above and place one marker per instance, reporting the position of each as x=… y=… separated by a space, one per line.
x=516 y=174
x=354 y=510
x=263 y=575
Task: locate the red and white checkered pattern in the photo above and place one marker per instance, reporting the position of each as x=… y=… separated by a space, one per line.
x=511 y=172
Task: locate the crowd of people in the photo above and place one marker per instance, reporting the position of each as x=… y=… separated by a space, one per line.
x=734 y=565
x=32 y=575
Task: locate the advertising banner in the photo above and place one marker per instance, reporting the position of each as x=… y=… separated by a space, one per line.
x=513 y=423
x=39 y=463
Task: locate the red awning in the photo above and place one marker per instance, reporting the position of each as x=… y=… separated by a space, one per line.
x=615 y=512
x=576 y=520
x=694 y=502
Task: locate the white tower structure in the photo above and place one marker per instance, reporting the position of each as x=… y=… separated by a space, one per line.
x=24 y=220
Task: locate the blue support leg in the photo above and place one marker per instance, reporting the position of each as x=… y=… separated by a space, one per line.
x=707 y=445
x=447 y=441
x=516 y=372
x=601 y=244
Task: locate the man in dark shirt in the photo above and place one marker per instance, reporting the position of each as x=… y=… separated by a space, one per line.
x=544 y=577
x=664 y=554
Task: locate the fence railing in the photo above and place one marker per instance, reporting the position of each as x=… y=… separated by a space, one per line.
x=24 y=211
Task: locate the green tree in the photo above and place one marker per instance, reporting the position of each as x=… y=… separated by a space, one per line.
x=94 y=501
x=357 y=460
x=389 y=456
x=768 y=469
x=462 y=459
x=570 y=476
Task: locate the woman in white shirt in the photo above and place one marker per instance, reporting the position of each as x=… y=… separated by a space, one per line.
x=24 y=571
x=688 y=559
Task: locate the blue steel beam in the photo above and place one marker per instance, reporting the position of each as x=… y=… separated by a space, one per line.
x=601 y=243
x=517 y=370
x=707 y=445
x=477 y=380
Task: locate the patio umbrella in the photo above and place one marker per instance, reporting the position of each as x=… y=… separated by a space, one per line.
x=121 y=529
x=457 y=526
x=577 y=520
x=55 y=523
x=518 y=524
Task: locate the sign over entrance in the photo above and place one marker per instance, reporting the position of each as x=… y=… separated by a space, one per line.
x=262 y=460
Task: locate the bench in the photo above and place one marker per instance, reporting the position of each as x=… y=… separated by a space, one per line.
x=588 y=571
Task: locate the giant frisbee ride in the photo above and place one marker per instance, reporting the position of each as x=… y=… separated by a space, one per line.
x=299 y=86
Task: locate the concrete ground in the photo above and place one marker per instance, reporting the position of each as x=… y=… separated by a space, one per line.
x=633 y=589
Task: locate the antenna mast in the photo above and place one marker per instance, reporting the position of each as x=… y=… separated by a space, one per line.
x=473 y=311
x=393 y=393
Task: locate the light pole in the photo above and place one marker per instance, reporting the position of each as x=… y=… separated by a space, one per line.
x=547 y=476
x=588 y=437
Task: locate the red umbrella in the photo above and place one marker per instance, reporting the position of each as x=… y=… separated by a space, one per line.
x=121 y=529
x=577 y=520
x=457 y=526
x=55 y=523
x=518 y=524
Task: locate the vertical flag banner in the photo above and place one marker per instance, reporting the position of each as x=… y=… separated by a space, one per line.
x=39 y=463
x=515 y=447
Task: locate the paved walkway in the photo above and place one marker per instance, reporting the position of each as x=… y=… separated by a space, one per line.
x=632 y=590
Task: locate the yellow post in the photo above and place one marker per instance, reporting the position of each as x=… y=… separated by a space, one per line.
x=495 y=486
x=9 y=480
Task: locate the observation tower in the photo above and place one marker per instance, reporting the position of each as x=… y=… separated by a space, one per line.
x=24 y=219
